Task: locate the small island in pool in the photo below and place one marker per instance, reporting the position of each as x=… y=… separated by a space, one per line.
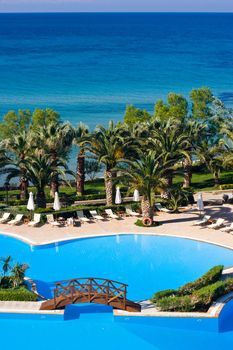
x=12 y=282
x=197 y=295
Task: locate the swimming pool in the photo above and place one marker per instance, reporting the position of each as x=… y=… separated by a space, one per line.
x=146 y=263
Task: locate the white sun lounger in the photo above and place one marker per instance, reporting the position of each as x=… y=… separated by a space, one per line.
x=130 y=212
x=228 y=228
x=35 y=221
x=110 y=213
x=82 y=217
x=219 y=223
x=51 y=221
x=159 y=207
x=5 y=218
x=204 y=221
x=96 y=216
x=18 y=219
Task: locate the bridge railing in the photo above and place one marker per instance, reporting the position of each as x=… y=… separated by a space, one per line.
x=91 y=289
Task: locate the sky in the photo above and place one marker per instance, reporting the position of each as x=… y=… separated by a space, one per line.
x=116 y=5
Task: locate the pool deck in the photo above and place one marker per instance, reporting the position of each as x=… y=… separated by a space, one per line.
x=176 y=225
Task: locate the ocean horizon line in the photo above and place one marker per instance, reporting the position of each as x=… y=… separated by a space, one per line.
x=117 y=12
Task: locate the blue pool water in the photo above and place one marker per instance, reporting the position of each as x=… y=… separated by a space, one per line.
x=146 y=263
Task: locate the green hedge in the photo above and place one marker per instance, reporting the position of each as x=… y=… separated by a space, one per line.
x=17 y=294
x=199 y=300
x=163 y=294
x=209 y=277
x=197 y=295
x=226 y=187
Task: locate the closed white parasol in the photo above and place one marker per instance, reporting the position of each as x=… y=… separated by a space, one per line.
x=31 y=204
x=136 y=196
x=56 y=203
x=200 y=204
x=118 y=196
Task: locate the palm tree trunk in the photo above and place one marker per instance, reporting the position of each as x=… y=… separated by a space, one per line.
x=23 y=186
x=80 y=178
x=41 y=199
x=54 y=185
x=168 y=184
x=216 y=179
x=147 y=210
x=187 y=164
x=108 y=186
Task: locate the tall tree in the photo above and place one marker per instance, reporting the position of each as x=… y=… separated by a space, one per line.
x=19 y=147
x=56 y=140
x=80 y=136
x=170 y=140
x=176 y=107
x=108 y=145
x=145 y=174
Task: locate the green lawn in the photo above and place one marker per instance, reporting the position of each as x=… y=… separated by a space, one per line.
x=204 y=182
x=200 y=182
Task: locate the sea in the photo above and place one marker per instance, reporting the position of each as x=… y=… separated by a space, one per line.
x=90 y=66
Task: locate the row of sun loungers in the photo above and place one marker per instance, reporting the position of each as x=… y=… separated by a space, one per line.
x=219 y=224
x=93 y=215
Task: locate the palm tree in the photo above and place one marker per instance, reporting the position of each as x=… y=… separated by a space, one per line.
x=212 y=156
x=6 y=264
x=108 y=146
x=40 y=170
x=55 y=140
x=79 y=139
x=18 y=274
x=146 y=175
x=170 y=140
x=19 y=147
x=194 y=131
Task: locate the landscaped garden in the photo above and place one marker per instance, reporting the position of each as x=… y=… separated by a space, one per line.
x=12 y=282
x=195 y=296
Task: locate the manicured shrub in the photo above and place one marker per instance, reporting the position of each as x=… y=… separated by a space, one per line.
x=209 y=277
x=183 y=304
x=199 y=299
x=17 y=294
x=226 y=187
x=164 y=293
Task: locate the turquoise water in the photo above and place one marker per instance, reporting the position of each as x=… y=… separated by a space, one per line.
x=146 y=263
x=89 y=66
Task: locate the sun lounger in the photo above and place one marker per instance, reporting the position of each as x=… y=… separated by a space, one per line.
x=130 y=212
x=228 y=228
x=159 y=207
x=5 y=218
x=82 y=217
x=96 y=216
x=219 y=223
x=35 y=221
x=204 y=221
x=110 y=213
x=18 y=219
x=51 y=221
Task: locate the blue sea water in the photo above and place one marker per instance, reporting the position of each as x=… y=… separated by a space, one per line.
x=90 y=66
x=146 y=263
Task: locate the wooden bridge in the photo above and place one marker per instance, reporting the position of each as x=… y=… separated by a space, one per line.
x=90 y=290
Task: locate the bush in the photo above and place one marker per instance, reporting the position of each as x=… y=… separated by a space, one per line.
x=162 y=294
x=226 y=187
x=209 y=277
x=183 y=304
x=17 y=294
x=195 y=296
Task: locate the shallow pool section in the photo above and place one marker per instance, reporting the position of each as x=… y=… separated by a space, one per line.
x=146 y=263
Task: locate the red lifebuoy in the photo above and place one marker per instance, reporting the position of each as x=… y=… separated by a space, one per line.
x=147 y=221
